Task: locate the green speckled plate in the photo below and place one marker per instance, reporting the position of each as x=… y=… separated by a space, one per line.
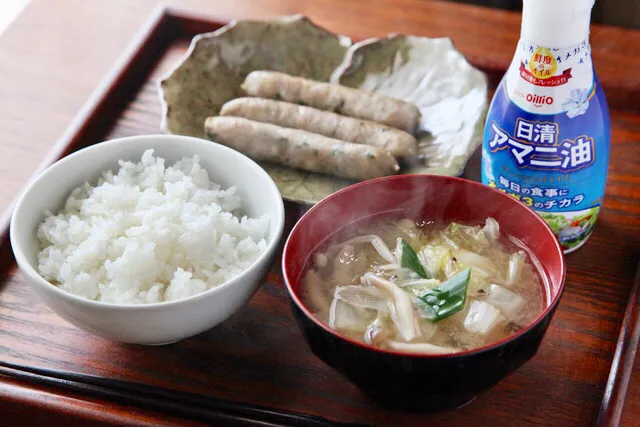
x=450 y=93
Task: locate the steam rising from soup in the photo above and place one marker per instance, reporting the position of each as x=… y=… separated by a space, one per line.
x=424 y=288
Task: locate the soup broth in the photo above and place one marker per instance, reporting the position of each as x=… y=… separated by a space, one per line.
x=428 y=288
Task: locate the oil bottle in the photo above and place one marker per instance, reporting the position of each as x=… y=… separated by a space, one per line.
x=547 y=135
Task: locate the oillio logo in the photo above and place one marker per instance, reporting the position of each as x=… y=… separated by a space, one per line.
x=539 y=100
x=536 y=100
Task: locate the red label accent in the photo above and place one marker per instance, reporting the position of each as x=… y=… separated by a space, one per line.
x=550 y=81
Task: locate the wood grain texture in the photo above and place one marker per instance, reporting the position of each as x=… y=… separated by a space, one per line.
x=259 y=357
x=616 y=395
x=22 y=404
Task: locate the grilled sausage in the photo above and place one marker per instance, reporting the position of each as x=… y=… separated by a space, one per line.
x=301 y=149
x=395 y=141
x=339 y=99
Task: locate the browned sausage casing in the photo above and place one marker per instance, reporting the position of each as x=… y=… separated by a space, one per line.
x=339 y=99
x=301 y=149
x=395 y=141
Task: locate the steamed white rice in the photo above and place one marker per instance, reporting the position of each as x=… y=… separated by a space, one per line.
x=149 y=233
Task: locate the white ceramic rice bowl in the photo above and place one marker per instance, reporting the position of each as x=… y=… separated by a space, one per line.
x=158 y=323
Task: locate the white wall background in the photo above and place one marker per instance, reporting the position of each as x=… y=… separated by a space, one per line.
x=9 y=10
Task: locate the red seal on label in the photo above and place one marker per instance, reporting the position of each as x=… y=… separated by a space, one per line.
x=549 y=81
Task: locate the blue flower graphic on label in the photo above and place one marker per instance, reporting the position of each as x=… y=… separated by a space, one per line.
x=577 y=103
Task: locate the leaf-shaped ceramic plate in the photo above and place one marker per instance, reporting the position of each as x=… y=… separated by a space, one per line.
x=430 y=73
x=216 y=64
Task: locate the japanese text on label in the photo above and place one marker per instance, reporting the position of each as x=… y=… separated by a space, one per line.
x=536 y=146
x=541 y=198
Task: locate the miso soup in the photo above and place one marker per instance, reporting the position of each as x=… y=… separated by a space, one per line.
x=424 y=288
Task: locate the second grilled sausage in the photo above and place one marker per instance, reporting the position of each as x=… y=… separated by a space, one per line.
x=397 y=142
x=331 y=97
x=301 y=149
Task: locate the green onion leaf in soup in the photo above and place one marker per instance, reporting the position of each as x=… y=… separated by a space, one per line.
x=446 y=299
x=409 y=259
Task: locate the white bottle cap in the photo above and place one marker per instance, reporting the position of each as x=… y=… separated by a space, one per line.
x=556 y=23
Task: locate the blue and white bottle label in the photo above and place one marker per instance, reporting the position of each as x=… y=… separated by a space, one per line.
x=546 y=139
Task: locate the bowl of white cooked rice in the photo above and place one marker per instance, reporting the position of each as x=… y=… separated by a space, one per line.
x=148 y=239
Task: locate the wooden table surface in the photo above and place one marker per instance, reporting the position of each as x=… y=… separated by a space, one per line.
x=57 y=52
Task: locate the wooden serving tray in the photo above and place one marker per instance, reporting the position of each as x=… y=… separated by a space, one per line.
x=256 y=369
